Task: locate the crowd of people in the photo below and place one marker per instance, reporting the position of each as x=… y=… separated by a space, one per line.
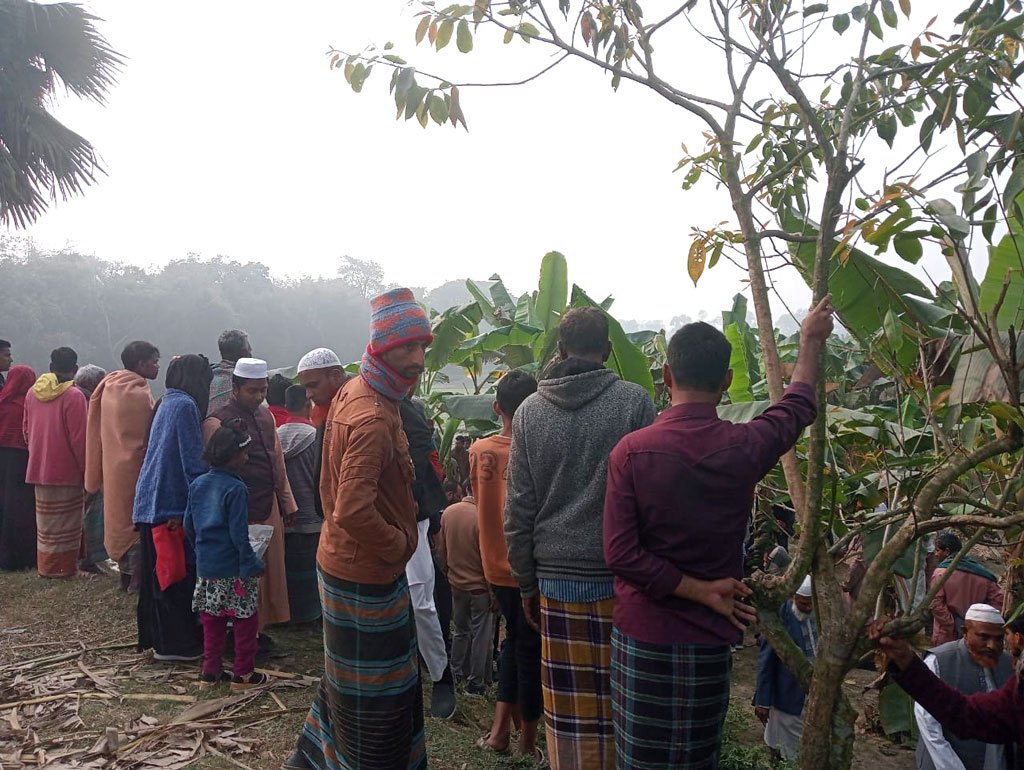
x=607 y=541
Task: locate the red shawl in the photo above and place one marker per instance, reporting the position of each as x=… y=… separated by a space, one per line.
x=12 y=406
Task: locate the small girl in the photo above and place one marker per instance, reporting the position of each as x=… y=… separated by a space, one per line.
x=228 y=570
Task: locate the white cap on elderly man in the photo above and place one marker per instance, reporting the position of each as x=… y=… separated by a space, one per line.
x=319 y=358
x=805 y=587
x=251 y=369
x=985 y=613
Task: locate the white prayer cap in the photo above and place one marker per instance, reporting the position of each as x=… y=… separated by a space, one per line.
x=985 y=613
x=251 y=369
x=319 y=358
x=805 y=587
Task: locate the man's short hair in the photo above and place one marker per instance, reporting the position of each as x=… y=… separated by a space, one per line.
x=136 y=352
x=4 y=344
x=277 y=386
x=63 y=360
x=233 y=344
x=295 y=399
x=583 y=331
x=947 y=541
x=513 y=389
x=698 y=357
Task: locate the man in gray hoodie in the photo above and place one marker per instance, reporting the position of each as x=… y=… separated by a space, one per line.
x=561 y=438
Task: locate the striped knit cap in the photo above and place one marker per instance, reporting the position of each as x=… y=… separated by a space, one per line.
x=396 y=319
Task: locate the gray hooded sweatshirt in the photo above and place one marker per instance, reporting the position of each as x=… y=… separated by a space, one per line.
x=561 y=438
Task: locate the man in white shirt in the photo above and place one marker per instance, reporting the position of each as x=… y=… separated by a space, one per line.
x=976 y=663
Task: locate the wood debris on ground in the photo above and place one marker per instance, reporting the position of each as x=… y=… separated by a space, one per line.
x=42 y=698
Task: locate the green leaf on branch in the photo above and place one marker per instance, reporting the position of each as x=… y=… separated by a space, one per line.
x=887 y=128
x=841 y=22
x=444 y=34
x=889 y=13
x=874 y=25
x=464 y=37
x=438 y=108
x=527 y=31
x=810 y=10
x=946 y=213
x=909 y=248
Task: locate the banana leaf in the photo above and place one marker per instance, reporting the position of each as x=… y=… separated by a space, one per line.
x=627 y=360
x=552 y=291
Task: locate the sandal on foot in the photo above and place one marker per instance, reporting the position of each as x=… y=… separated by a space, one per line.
x=483 y=745
x=255 y=679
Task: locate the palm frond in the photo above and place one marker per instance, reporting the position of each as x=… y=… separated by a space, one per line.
x=40 y=158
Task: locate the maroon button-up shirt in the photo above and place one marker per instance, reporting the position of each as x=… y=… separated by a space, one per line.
x=679 y=498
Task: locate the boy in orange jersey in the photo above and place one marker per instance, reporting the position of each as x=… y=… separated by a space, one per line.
x=519 y=686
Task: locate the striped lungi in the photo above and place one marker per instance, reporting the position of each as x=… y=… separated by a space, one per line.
x=576 y=679
x=670 y=703
x=368 y=713
x=93 y=551
x=59 y=512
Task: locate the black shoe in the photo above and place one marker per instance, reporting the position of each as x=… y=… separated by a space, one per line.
x=297 y=761
x=255 y=679
x=476 y=691
x=442 y=698
x=209 y=680
x=264 y=643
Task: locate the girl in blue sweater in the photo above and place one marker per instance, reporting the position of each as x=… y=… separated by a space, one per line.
x=227 y=588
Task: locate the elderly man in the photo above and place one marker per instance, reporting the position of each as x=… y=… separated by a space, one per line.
x=368 y=713
x=779 y=699
x=265 y=476
x=120 y=413
x=974 y=664
x=320 y=372
x=971 y=584
x=233 y=345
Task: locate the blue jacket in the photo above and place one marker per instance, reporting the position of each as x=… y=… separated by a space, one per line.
x=217 y=523
x=174 y=457
x=776 y=687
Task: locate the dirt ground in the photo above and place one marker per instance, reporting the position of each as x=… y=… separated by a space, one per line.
x=75 y=694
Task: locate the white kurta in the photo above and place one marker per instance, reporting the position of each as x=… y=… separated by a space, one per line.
x=939 y=750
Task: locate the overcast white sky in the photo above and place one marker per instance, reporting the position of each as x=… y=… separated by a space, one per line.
x=228 y=134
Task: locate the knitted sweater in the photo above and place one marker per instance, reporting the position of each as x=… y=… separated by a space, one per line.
x=561 y=438
x=174 y=458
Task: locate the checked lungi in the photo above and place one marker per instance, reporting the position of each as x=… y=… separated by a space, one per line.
x=670 y=703
x=368 y=713
x=576 y=678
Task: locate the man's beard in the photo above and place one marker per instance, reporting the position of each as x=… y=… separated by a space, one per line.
x=803 y=617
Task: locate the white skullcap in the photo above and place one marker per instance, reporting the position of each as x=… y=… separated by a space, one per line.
x=251 y=369
x=805 y=587
x=985 y=613
x=319 y=358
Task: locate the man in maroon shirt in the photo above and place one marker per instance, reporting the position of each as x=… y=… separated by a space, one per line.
x=679 y=498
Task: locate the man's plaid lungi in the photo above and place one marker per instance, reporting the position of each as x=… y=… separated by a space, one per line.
x=576 y=677
x=670 y=703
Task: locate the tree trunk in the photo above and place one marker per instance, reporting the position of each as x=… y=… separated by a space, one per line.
x=828 y=716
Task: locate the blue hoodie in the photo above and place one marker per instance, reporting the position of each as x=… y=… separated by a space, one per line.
x=217 y=523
